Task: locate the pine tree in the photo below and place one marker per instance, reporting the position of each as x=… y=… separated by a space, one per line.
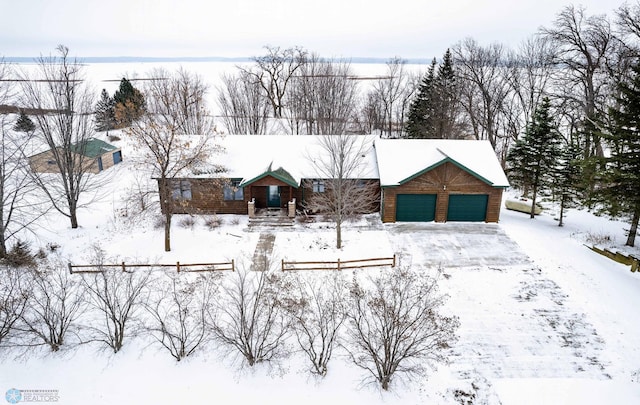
x=533 y=158
x=620 y=191
x=433 y=112
x=129 y=104
x=566 y=178
x=105 y=112
x=24 y=123
x=420 y=117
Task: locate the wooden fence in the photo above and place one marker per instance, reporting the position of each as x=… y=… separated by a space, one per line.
x=180 y=267
x=340 y=264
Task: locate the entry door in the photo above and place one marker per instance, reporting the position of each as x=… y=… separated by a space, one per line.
x=273 y=196
x=99 y=163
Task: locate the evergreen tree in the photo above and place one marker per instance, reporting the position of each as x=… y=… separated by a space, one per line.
x=566 y=178
x=24 y=123
x=534 y=157
x=620 y=189
x=129 y=104
x=420 y=117
x=433 y=112
x=105 y=112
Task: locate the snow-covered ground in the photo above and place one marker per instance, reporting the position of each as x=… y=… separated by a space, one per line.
x=544 y=320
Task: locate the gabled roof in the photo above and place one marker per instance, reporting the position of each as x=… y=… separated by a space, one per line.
x=401 y=160
x=289 y=158
x=279 y=173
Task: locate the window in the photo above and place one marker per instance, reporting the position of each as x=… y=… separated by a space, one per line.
x=117 y=157
x=181 y=190
x=318 y=186
x=233 y=191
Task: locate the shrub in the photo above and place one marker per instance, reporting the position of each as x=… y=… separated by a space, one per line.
x=213 y=221
x=20 y=255
x=187 y=222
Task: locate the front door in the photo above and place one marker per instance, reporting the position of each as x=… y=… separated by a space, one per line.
x=273 y=196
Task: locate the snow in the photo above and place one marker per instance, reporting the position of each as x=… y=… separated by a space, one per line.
x=544 y=320
x=420 y=154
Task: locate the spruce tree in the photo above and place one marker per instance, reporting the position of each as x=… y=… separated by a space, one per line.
x=534 y=157
x=620 y=189
x=420 y=116
x=566 y=178
x=129 y=104
x=433 y=112
x=105 y=112
x=24 y=123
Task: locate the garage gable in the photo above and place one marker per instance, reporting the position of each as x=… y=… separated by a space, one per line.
x=440 y=163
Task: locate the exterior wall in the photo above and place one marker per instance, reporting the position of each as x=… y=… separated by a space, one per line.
x=41 y=163
x=207 y=197
x=258 y=190
x=305 y=193
x=444 y=180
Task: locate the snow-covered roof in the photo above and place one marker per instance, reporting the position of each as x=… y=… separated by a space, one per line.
x=292 y=157
x=400 y=160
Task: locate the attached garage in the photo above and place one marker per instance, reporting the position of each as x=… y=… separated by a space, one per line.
x=467 y=207
x=439 y=180
x=415 y=207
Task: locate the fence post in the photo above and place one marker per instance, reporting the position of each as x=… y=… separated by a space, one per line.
x=178 y=266
x=338 y=264
x=233 y=265
x=394 y=261
x=283 y=265
x=634 y=265
x=70 y=268
x=124 y=268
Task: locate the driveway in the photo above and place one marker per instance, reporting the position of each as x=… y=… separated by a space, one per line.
x=455 y=244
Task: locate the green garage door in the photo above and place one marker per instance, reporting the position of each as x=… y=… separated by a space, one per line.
x=467 y=207
x=415 y=207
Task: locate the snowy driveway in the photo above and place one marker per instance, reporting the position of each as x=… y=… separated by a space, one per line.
x=454 y=244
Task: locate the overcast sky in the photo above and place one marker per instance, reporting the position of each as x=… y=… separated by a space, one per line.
x=332 y=28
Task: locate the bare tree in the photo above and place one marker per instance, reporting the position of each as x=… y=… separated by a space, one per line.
x=19 y=204
x=628 y=17
x=64 y=124
x=243 y=107
x=483 y=85
x=341 y=166
x=321 y=100
x=581 y=46
x=58 y=301
x=247 y=318
x=318 y=309
x=394 y=325
x=391 y=91
x=116 y=296
x=274 y=71
x=180 y=97
x=178 y=308
x=166 y=150
x=15 y=296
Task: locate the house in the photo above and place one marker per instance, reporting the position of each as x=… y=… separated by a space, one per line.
x=95 y=154
x=417 y=179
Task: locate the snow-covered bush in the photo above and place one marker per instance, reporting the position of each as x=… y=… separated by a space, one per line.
x=177 y=306
x=394 y=324
x=316 y=304
x=115 y=297
x=246 y=317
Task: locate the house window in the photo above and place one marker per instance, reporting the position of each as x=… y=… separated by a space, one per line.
x=318 y=186
x=233 y=191
x=181 y=190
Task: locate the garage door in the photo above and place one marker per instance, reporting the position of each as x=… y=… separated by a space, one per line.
x=467 y=207
x=415 y=207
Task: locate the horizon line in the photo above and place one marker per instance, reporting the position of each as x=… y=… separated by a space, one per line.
x=120 y=59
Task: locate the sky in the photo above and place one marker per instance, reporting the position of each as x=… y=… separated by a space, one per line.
x=241 y=28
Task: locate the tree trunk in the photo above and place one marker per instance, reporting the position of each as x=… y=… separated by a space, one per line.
x=339 y=232
x=74 y=219
x=631 y=239
x=562 y=203
x=533 y=202
x=167 y=230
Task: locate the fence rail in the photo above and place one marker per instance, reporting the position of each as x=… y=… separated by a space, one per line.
x=339 y=264
x=180 y=267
